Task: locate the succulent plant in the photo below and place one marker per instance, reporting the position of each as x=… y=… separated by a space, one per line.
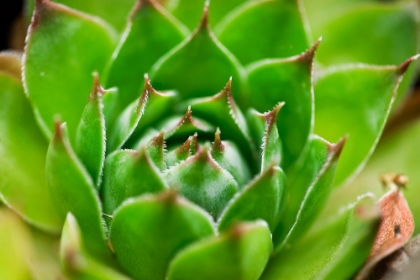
x=201 y=157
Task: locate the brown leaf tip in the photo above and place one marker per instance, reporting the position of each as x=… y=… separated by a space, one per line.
x=337 y=149
x=195 y=147
x=271 y=116
x=97 y=89
x=184 y=149
x=170 y=196
x=309 y=55
x=218 y=146
x=204 y=22
x=402 y=68
x=159 y=140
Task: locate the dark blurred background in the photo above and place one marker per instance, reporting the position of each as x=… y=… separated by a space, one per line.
x=10 y=17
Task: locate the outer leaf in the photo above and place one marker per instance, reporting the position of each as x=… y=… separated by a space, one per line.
x=366 y=95
x=316 y=194
x=300 y=176
x=15 y=244
x=189 y=12
x=75 y=260
x=129 y=174
x=288 y=80
x=73 y=190
x=261 y=199
x=395 y=153
x=196 y=59
x=90 y=137
x=335 y=251
x=151 y=32
x=240 y=253
x=58 y=34
x=274 y=29
x=203 y=181
x=172 y=222
x=22 y=164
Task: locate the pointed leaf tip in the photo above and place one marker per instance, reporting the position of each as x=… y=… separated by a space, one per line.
x=96 y=87
x=204 y=22
x=402 y=68
x=336 y=149
x=310 y=53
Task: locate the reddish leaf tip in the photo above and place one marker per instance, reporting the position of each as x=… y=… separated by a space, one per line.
x=97 y=89
x=402 y=68
x=204 y=22
x=309 y=55
x=170 y=196
x=218 y=146
x=337 y=149
x=158 y=140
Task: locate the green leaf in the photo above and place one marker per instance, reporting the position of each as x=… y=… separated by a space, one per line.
x=22 y=158
x=180 y=127
x=300 y=176
x=229 y=119
x=15 y=245
x=366 y=94
x=273 y=28
x=156 y=151
x=240 y=253
x=60 y=35
x=261 y=199
x=179 y=154
x=150 y=34
x=189 y=66
x=189 y=12
x=150 y=107
x=73 y=190
x=128 y=174
x=336 y=251
x=90 y=136
x=396 y=153
x=228 y=156
x=171 y=221
x=114 y=12
x=77 y=263
x=271 y=145
x=290 y=81
x=316 y=195
x=203 y=181
x=369 y=33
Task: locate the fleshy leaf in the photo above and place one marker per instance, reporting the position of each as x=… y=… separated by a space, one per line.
x=74 y=259
x=195 y=60
x=15 y=244
x=179 y=154
x=156 y=150
x=397 y=225
x=22 y=158
x=274 y=29
x=73 y=190
x=229 y=119
x=203 y=181
x=150 y=34
x=290 y=81
x=180 y=127
x=366 y=94
x=261 y=199
x=90 y=136
x=335 y=251
x=61 y=35
x=316 y=195
x=271 y=145
x=228 y=156
x=114 y=12
x=300 y=176
x=397 y=152
x=172 y=221
x=128 y=174
x=240 y=253
x=189 y=12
